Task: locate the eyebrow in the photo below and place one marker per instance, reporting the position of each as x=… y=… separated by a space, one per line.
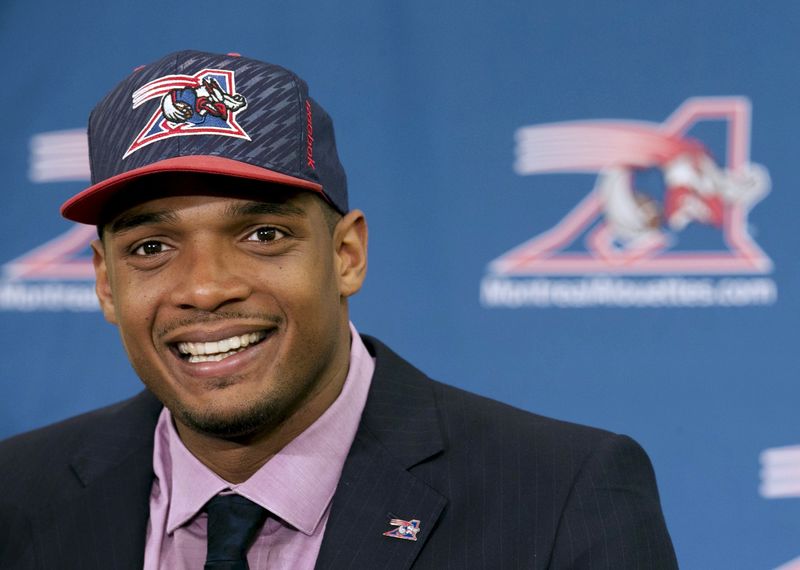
x=264 y=208
x=127 y=222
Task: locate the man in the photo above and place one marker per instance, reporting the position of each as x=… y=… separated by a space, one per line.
x=270 y=432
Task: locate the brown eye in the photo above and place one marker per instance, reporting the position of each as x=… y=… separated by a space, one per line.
x=266 y=234
x=150 y=248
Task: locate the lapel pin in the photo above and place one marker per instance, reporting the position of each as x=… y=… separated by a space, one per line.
x=406 y=530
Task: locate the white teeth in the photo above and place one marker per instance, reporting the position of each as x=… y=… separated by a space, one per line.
x=247 y=339
x=212 y=357
x=217 y=350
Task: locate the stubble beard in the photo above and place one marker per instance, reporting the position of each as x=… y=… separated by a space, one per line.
x=261 y=417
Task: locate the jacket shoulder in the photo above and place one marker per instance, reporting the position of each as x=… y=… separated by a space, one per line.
x=476 y=413
x=28 y=456
x=559 y=484
x=465 y=415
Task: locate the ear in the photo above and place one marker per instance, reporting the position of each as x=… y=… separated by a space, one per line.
x=350 y=246
x=102 y=284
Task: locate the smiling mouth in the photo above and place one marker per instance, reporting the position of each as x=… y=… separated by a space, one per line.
x=218 y=350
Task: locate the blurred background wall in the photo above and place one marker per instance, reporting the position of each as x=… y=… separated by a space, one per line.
x=585 y=209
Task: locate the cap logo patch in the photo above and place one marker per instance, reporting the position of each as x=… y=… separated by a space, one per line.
x=205 y=103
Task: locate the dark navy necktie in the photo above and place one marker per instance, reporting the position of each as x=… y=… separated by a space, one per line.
x=233 y=523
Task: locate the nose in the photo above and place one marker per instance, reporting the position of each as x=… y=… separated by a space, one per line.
x=209 y=278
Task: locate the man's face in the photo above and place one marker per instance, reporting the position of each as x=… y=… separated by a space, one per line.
x=232 y=311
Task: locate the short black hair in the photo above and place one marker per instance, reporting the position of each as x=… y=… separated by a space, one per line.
x=331 y=215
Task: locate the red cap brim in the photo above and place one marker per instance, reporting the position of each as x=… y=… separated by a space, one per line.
x=87 y=206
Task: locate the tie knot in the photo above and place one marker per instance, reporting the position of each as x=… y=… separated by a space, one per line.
x=233 y=522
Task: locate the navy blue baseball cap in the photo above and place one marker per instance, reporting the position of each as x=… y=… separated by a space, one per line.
x=208 y=113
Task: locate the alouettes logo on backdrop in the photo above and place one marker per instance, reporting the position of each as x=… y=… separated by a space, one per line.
x=58 y=274
x=661 y=204
x=780 y=479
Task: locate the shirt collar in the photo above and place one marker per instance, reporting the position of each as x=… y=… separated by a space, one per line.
x=298 y=483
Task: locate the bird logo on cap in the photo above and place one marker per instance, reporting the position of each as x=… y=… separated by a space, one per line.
x=205 y=103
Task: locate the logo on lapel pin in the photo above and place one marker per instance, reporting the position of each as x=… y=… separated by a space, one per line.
x=406 y=530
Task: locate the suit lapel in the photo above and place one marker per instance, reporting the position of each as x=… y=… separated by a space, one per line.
x=399 y=429
x=104 y=524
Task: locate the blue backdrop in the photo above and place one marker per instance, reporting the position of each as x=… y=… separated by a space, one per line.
x=585 y=209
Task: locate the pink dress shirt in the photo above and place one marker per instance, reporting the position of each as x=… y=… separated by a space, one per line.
x=296 y=486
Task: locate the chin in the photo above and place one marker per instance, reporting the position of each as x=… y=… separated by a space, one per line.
x=258 y=418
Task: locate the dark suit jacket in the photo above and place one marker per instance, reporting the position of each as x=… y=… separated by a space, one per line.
x=493 y=487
